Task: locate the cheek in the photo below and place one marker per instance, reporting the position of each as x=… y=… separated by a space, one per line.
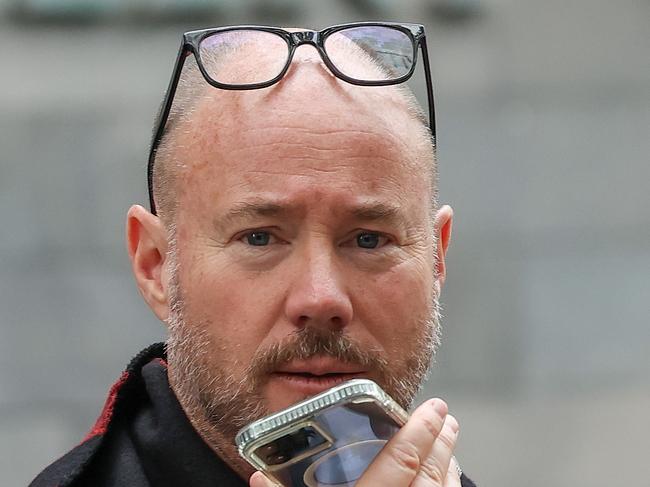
x=238 y=309
x=393 y=305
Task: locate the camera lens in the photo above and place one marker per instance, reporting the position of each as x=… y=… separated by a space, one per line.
x=344 y=466
x=290 y=446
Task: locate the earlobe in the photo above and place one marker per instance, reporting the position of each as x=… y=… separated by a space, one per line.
x=146 y=240
x=442 y=228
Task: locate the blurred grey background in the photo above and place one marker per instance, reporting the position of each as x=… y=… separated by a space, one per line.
x=544 y=143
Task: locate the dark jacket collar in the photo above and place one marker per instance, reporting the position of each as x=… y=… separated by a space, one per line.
x=142 y=438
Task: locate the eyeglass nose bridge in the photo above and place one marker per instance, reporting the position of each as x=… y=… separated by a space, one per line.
x=304 y=37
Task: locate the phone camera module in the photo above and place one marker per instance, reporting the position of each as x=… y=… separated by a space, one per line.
x=296 y=444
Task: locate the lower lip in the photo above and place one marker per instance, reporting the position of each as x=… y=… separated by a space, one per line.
x=312 y=384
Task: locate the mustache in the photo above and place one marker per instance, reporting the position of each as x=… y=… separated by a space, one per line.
x=310 y=342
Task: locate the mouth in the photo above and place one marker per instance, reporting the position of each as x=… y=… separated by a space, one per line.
x=334 y=377
x=314 y=376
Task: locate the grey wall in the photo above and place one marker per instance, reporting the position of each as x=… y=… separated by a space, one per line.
x=544 y=130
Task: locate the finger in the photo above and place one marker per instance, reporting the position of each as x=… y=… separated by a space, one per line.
x=434 y=470
x=258 y=479
x=399 y=461
x=453 y=477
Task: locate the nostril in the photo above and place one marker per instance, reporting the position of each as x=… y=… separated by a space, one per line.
x=333 y=322
x=318 y=303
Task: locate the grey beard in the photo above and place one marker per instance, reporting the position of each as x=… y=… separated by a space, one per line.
x=225 y=404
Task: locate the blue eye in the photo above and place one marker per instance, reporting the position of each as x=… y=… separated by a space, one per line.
x=368 y=240
x=258 y=238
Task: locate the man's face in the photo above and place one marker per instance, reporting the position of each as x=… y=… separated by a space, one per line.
x=304 y=250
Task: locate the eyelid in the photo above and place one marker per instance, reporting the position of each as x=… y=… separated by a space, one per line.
x=352 y=238
x=272 y=231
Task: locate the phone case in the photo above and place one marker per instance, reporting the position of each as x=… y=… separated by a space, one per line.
x=325 y=441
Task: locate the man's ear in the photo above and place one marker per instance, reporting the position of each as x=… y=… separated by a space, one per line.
x=146 y=241
x=442 y=229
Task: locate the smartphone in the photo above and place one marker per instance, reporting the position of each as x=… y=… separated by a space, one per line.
x=325 y=441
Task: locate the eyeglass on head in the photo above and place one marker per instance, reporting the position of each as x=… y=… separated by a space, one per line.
x=390 y=47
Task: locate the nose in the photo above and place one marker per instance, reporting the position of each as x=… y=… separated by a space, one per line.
x=317 y=296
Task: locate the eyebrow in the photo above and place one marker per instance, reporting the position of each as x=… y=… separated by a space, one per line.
x=379 y=212
x=366 y=212
x=247 y=210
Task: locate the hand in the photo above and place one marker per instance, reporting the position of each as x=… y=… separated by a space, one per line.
x=419 y=455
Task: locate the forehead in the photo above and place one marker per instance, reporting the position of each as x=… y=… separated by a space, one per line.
x=309 y=131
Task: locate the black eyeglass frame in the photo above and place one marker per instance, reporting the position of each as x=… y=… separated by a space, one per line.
x=192 y=40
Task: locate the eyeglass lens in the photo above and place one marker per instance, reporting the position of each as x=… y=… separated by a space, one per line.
x=243 y=57
x=226 y=56
x=390 y=52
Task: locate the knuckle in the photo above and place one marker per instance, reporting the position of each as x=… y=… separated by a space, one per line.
x=432 y=425
x=432 y=470
x=448 y=440
x=406 y=458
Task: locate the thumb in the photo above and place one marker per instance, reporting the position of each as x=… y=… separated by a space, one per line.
x=258 y=479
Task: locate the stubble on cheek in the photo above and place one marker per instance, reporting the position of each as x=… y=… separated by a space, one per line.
x=210 y=389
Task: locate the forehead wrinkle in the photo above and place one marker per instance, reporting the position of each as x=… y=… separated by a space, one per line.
x=266 y=159
x=356 y=143
x=353 y=138
x=323 y=134
x=353 y=143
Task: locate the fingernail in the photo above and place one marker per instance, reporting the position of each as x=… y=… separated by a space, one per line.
x=439 y=407
x=258 y=479
x=453 y=423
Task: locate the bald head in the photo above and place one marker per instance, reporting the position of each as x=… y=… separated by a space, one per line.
x=206 y=122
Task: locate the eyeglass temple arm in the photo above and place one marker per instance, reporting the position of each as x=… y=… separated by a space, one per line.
x=165 y=108
x=427 y=75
